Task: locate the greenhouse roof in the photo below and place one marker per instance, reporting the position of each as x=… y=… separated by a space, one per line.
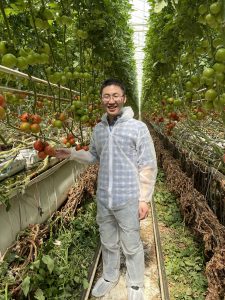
x=139 y=19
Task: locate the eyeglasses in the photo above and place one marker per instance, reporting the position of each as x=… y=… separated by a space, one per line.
x=115 y=97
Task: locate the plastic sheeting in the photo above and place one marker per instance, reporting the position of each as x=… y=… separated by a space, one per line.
x=43 y=196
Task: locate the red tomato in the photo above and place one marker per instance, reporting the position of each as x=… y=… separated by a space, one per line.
x=40 y=104
x=70 y=136
x=24 y=117
x=62 y=117
x=49 y=150
x=72 y=141
x=36 y=119
x=2 y=100
x=86 y=148
x=39 y=145
x=78 y=147
x=42 y=155
x=2 y=113
x=64 y=140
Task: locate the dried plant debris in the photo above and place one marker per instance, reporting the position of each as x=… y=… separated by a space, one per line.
x=25 y=250
x=199 y=216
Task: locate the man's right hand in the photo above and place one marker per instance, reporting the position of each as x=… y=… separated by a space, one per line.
x=62 y=153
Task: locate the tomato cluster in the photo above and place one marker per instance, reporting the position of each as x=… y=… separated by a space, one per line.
x=69 y=140
x=44 y=149
x=30 y=123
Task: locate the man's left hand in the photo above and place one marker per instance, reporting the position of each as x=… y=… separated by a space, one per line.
x=143 y=210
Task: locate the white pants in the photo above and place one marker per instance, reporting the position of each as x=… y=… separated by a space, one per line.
x=121 y=227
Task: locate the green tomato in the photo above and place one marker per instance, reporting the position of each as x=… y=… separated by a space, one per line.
x=208 y=72
x=48 y=15
x=80 y=111
x=220 y=55
x=9 y=60
x=189 y=85
x=188 y=95
x=219 y=76
x=208 y=105
x=23 y=52
x=69 y=75
x=77 y=104
x=210 y=95
x=58 y=124
x=215 y=8
x=39 y=23
x=63 y=79
x=217 y=42
x=194 y=79
x=218 y=67
x=177 y=102
x=202 y=9
x=46 y=48
x=22 y=63
x=84 y=118
x=3 y=49
x=222 y=99
x=210 y=20
x=44 y=58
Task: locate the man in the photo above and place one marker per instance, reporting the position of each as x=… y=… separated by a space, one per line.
x=126 y=179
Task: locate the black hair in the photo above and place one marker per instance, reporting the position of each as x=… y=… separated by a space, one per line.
x=113 y=81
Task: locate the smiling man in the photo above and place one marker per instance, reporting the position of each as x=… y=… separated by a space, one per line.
x=127 y=174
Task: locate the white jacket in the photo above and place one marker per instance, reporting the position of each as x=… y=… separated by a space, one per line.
x=128 y=166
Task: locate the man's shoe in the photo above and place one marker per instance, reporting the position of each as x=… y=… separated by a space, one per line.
x=135 y=293
x=102 y=287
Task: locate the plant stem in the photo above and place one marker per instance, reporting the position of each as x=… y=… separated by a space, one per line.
x=3 y=140
x=6 y=21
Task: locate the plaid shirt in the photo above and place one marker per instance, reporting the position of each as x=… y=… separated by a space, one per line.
x=122 y=152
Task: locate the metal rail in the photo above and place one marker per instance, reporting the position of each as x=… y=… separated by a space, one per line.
x=4 y=88
x=86 y=293
x=161 y=267
x=35 y=79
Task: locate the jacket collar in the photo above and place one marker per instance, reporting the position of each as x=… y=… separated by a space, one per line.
x=127 y=113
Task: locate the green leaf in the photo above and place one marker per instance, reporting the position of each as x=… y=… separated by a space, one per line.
x=189 y=292
x=85 y=283
x=39 y=295
x=49 y=262
x=76 y=279
x=189 y=263
x=26 y=285
x=159 y=6
x=36 y=264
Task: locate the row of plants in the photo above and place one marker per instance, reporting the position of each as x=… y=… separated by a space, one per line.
x=59 y=266
x=184 y=69
x=72 y=47
x=183 y=254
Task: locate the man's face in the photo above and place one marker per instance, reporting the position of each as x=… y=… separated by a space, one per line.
x=113 y=100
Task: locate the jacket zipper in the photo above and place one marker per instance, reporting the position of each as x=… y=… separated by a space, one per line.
x=110 y=165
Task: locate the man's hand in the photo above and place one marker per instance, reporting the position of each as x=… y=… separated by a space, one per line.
x=62 y=153
x=143 y=210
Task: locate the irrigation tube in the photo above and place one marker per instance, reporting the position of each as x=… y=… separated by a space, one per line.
x=24 y=75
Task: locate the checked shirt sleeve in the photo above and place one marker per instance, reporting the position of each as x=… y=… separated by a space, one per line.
x=83 y=156
x=147 y=164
